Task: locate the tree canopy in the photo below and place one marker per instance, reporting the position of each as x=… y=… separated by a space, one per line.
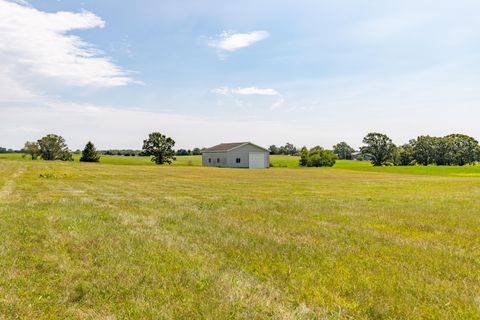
x=53 y=147
x=343 y=151
x=287 y=149
x=32 y=149
x=159 y=147
x=454 y=149
x=379 y=147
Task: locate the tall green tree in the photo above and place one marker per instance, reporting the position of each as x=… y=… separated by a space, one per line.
x=426 y=150
x=343 y=151
x=159 y=147
x=53 y=147
x=32 y=149
x=404 y=155
x=477 y=154
x=89 y=153
x=379 y=147
x=460 y=149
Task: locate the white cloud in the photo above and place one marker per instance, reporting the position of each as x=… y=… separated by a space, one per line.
x=247 y=91
x=255 y=91
x=252 y=91
x=231 y=41
x=36 y=49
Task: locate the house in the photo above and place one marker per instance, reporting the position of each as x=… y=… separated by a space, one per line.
x=236 y=155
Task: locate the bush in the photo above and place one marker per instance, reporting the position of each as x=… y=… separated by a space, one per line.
x=317 y=157
x=53 y=147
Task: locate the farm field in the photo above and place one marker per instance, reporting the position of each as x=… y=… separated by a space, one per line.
x=137 y=241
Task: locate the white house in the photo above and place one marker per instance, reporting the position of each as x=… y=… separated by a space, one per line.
x=236 y=155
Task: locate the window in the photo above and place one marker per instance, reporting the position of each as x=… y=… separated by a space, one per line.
x=209 y=160
x=218 y=160
x=238 y=160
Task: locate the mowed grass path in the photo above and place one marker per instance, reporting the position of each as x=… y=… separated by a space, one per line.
x=100 y=241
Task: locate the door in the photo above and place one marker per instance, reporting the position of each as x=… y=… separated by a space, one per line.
x=256 y=160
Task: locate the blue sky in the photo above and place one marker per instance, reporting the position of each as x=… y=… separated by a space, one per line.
x=204 y=72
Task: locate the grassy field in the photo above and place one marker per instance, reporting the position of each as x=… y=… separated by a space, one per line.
x=279 y=161
x=109 y=241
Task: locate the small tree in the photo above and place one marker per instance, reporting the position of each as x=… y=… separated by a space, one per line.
x=343 y=151
x=379 y=147
x=32 y=149
x=90 y=154
x=53 y=147
x=159 y=147
x=304 y=156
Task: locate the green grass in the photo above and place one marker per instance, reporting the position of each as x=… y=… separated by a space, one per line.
x=120 y=160
x=280 y=161
x=465 y=171
x=104 y=241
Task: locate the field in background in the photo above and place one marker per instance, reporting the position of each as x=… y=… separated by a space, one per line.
x=90 y=241
x=280 y=161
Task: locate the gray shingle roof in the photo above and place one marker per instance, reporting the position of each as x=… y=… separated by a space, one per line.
x=222 y=147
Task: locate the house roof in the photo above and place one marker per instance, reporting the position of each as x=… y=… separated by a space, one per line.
x=224 y=147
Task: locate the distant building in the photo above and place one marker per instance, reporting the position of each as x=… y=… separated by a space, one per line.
x=236 y=155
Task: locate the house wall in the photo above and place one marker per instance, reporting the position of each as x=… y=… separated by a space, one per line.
x=222 y=156
x=243 y=154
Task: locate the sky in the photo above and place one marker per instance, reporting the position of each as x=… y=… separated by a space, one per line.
x=204 y=72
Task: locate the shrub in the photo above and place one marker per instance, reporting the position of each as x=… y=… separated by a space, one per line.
x=317 y=157
x=53 y=147
x=90 y=154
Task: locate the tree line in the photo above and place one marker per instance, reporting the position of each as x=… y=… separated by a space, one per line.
x=5 y=150
x=450 y=150
x=453 y=149
x=53 y=147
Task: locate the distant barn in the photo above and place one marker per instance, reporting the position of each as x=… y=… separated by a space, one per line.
x=236 y=155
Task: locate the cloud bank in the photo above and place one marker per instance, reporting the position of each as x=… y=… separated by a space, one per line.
x=101 y=124
x=36 y=47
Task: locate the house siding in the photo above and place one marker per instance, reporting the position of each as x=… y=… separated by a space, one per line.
x=222 y=156
x=243 y=153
